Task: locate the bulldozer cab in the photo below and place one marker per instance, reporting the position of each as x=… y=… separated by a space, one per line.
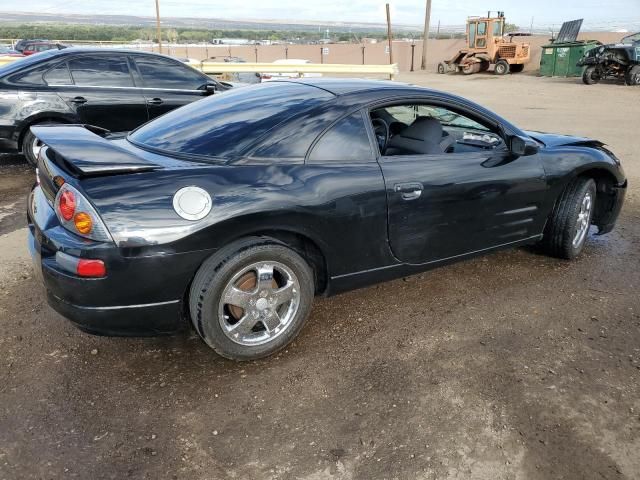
x=483 y=32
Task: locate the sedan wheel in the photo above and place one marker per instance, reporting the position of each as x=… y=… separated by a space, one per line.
x=31 y=147
x=251 y=298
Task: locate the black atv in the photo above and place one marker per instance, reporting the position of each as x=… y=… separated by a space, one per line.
x=617 y=61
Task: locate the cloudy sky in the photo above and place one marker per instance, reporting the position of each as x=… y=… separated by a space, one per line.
x=410 y=12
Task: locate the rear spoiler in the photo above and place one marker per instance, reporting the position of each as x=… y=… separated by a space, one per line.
x=85 y=150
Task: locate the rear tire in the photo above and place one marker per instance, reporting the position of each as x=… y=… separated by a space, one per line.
x=632 y=75
x=442 y=68
x=272 y=288
x=568 y=226
x=471 y=68
x=502 y=67
x=590 y=76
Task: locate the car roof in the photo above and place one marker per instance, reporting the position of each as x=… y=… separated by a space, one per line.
x=33 y=60
x=344 y=86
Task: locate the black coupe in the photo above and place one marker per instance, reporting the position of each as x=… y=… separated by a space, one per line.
x=236 y=210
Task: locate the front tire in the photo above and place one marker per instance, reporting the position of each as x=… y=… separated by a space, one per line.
x=590 y=76
x=251 y=298
x=568 y=226
x=501 y=68
x=632 y=75
x=442 y=68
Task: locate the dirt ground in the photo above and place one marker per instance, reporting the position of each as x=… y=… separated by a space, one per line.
x=511 y=366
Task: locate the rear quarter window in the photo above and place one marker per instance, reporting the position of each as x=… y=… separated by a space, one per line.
x=346 y=142
x=228 y=124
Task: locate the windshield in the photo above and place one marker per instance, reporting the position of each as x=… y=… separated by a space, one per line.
x=631 y=39
x=227 y=124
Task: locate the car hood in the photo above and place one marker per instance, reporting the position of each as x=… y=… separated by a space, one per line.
x=557 y=140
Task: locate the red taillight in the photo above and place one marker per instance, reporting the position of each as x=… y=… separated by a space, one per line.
x=67 y=204
x=91 y=268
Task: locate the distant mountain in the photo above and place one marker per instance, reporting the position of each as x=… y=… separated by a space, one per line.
x=189 y=22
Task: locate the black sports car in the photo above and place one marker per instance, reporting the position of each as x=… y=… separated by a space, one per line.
x=114 y=89
x=236 y=210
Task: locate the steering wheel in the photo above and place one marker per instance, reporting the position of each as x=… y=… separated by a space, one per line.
x=381 y=130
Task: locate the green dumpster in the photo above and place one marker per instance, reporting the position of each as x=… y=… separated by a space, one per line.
x=559 y=59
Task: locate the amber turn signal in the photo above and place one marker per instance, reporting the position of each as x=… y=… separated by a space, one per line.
x=83 y=222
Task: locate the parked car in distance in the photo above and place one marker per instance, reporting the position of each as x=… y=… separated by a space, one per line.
x=241 y=77
x=235 y=211
x=6 y=51
x=19 y=46
x=113 y=89
x=285 y=75
x=30 y=48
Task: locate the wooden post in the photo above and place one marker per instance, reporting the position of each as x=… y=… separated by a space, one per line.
x=158 y=26
x=390 y=39
x=413 y=49
x=427 y=19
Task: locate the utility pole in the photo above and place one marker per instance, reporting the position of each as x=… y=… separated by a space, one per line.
x=158 y=26
x=427 y=19
x=390 y=40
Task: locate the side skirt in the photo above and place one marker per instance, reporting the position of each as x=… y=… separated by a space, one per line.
x=351 y=281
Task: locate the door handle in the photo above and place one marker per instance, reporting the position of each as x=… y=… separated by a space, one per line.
x=154 y=101
x=408 y=191
x=78 y=100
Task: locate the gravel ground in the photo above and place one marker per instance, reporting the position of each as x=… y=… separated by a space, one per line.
x=514 y=365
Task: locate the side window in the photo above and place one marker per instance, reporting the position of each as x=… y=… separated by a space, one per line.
x=472 y=35
x=481 y=42
x=59 y=75
x=422 y=129
x=162 y=73
x=347 y=142
x=101 y=71
x=497 y=29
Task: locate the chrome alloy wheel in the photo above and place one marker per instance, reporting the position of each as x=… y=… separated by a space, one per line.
x=259 y=303
x=583 y=221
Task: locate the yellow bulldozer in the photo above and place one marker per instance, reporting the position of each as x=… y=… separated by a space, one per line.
x=487 y=46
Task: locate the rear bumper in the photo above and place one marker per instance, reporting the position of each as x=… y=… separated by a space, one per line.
x=140 y=296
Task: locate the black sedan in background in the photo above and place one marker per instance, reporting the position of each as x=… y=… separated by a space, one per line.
x=235 y=211
x=117 y=90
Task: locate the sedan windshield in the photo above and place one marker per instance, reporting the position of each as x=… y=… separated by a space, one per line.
x=225 y=125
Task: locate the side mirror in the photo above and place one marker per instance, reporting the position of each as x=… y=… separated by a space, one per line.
x=210 y=88
x=523 y=146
